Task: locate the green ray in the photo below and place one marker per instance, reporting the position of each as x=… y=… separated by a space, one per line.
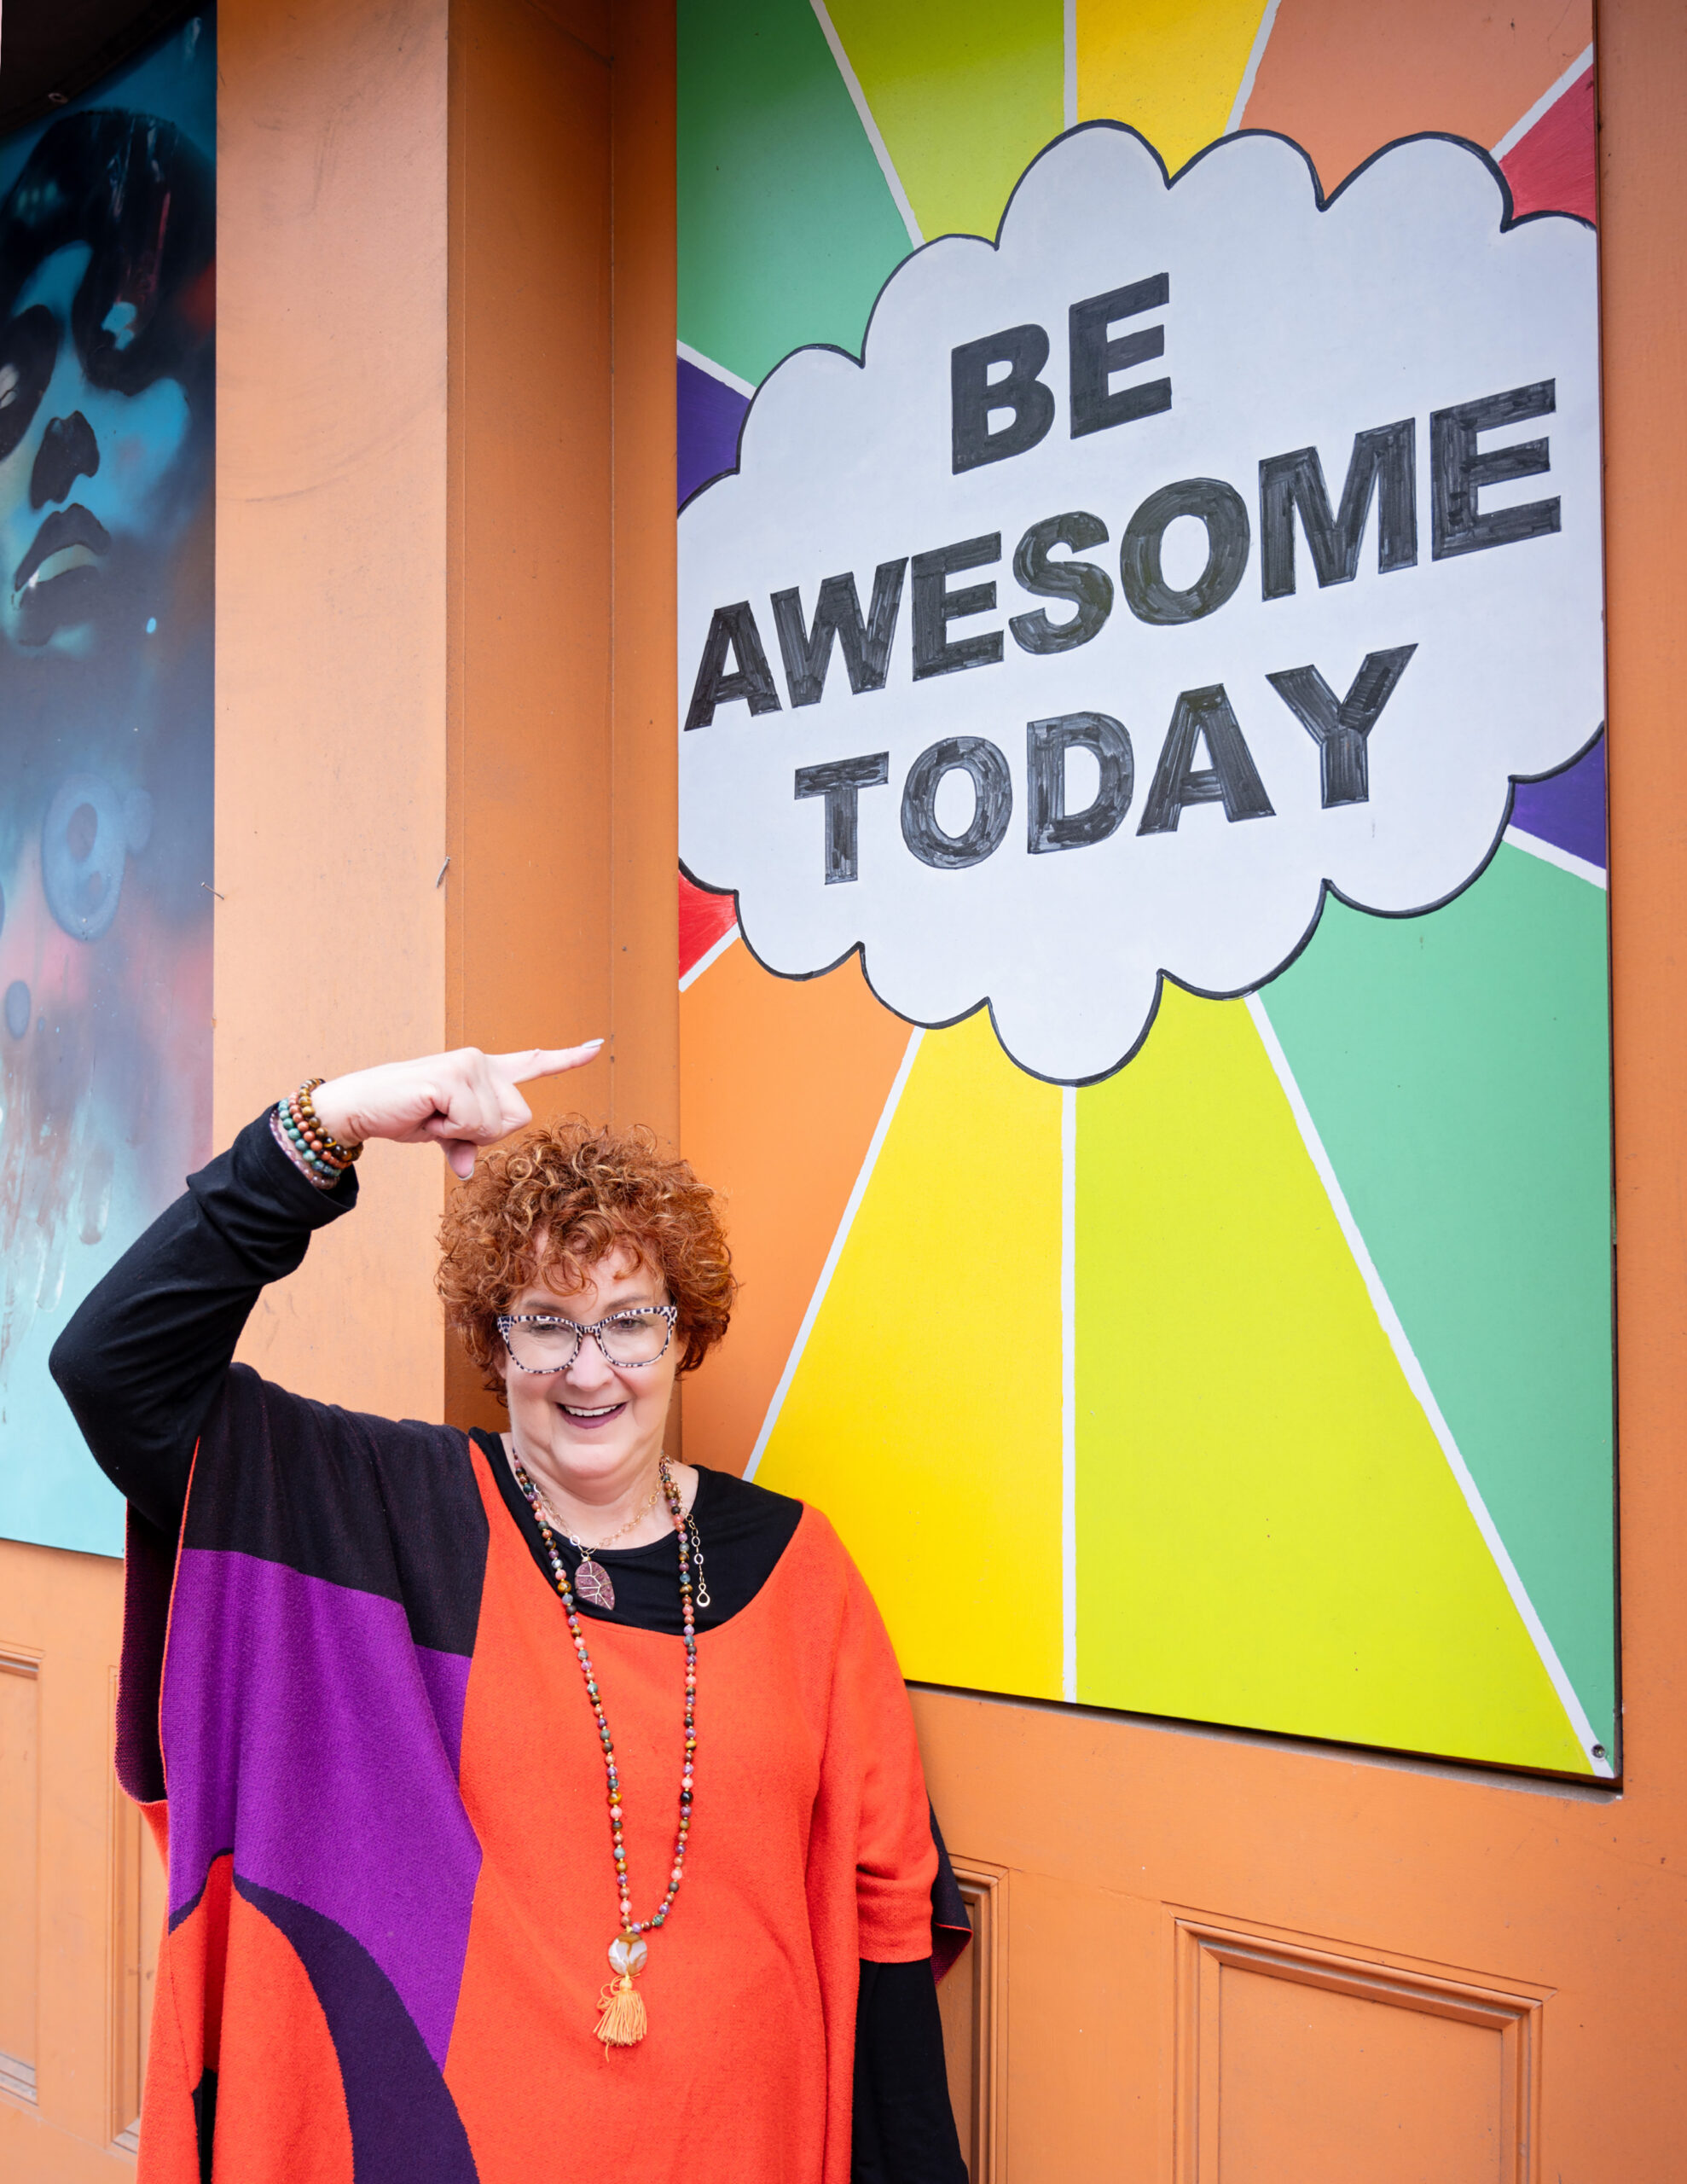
x=1456 y=1067
x=786 y=227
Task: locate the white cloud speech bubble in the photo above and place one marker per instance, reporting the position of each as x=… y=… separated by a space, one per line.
x=1057 y=871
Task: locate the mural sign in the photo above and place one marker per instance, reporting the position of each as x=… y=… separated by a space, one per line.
x=1142 y=939
x=1183 y=553
x=107 y=240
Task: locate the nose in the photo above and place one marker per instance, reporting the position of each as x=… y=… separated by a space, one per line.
x=591 y=1368
x=69 y=450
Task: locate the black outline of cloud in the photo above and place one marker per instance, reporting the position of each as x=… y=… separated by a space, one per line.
x=1509 y=220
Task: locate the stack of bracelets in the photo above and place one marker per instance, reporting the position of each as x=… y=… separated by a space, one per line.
x=322 y=1157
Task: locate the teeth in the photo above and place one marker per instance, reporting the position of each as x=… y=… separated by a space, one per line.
x=602 y=1411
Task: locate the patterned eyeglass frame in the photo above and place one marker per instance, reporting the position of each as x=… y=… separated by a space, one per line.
x=509 y=1320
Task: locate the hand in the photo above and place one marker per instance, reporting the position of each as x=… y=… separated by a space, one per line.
x=457 y=1101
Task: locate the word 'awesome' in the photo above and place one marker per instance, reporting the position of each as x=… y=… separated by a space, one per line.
x=1292 y=494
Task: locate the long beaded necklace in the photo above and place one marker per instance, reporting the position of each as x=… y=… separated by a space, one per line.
x=623 y=2020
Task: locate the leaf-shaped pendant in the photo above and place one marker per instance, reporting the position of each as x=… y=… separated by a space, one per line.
x=591 y=1582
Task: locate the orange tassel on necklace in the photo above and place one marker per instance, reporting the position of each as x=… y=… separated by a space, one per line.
x=623 y=2022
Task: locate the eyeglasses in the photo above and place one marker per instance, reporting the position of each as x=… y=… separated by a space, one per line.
x=538 y=1343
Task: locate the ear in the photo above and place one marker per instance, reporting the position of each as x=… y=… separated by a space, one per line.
x=498 y=1369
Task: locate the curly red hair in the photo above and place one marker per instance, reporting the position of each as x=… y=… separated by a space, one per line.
x=549 y=1204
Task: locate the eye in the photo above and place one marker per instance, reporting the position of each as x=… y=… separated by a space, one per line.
x=29 y=348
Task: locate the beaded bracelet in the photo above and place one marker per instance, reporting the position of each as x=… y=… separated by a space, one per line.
x=318 y=1178
x=321 y=1155
x=341 y=1155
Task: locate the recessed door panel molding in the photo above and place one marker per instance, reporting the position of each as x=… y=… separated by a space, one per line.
x=135 y=1922
x=1298 y=2056
x=972 y=1997
x=20 y=1867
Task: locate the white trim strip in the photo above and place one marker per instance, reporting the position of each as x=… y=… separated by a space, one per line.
x=1514 y=135
x=1244 y=90
x=875 y=1147
x=1416 y=1379
x=1550 y=853
x=715 y=371
x=1069 y=44
x=887 y=166
x=711 y=954
x=1069 y=1392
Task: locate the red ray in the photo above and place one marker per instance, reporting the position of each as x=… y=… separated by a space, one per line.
x=1552 y=168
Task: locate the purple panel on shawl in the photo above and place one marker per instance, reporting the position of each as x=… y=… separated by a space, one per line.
x=405 y=2128
x=710 y=415
x=1568 y=809
x=445 y=1677
x=303 y=1732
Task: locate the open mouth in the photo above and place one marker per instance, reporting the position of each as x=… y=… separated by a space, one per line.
x=591 y=1417
x=70 y=538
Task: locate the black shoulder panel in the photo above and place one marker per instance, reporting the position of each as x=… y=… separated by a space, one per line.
x=380 y=1505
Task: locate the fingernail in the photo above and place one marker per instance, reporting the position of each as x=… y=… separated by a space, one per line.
x=593 y=1042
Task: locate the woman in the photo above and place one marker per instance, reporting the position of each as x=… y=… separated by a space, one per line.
x=107 y=383
x=535 y=1803
x=107 y=301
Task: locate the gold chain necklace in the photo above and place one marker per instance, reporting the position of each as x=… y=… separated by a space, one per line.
x=591 y=1580
x=622 y=2021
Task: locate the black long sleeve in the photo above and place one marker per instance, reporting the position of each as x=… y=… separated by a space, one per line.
x=904 y=2126
x=146 y=1351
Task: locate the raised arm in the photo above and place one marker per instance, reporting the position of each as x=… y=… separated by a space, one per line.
x=144 y=1355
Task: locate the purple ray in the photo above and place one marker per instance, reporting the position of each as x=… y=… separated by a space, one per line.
x=709 y=413
x=1567 y=809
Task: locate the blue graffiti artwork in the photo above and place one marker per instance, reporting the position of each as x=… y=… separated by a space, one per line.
x=107 y=313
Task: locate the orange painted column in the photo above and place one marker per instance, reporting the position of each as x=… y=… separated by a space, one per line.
x=562 y=829
x=445 y=801
x=331 y=635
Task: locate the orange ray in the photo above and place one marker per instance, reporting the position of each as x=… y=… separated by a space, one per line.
x=782 y=1082
x=1344 y=77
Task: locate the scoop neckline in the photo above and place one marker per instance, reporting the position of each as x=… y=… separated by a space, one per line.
x=497 y=1453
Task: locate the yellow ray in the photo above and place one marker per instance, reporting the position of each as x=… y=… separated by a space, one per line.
x=924 y=1417
x=1268 y=1533
x=966 y=94
x=1170 y=67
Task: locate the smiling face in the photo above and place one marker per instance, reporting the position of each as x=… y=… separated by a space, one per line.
x=595 y=1429
x=85 y=469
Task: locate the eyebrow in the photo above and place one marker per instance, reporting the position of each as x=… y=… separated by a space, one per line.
x=626 y=1304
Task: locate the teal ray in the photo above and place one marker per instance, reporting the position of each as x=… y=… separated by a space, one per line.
x=1457 y=1069
x=786 y=228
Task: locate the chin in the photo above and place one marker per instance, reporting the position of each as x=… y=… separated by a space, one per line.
x=590 y=1453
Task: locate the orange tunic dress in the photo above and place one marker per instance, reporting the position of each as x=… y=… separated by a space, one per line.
x=390 y=1877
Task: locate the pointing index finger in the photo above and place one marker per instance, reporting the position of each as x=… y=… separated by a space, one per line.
x=545 y=1061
